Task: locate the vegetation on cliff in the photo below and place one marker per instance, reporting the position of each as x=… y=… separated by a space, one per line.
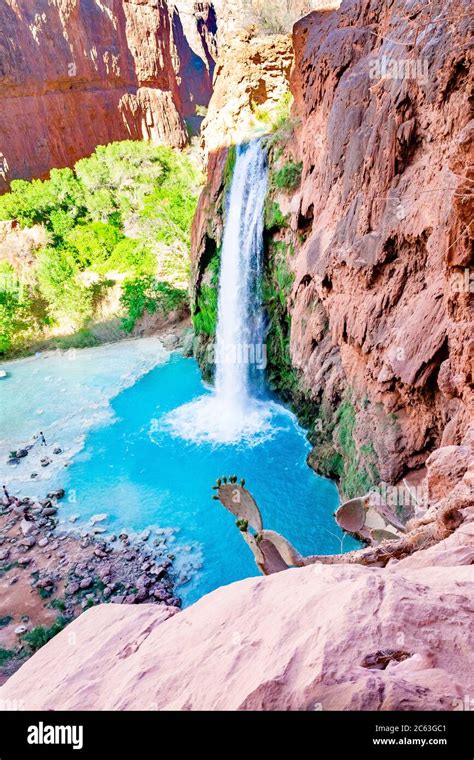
x=121 y=216
x=331 y=427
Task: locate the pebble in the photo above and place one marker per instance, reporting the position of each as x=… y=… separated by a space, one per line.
x=4 y=555
x=43 y=542
x=157 y=571
x=56 y=494
x=86 y=583
x=98 y=518
x=49 y=511
x=72 y=588
x=26 y=526
x=20 y=629
x=28 y=543
x=44 y=583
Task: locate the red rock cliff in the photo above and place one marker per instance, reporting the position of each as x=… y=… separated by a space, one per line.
x=377 y=234
x=76 y=74
x=383 y=215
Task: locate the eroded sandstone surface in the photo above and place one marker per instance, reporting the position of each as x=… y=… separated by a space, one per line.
x=317 y=638
x=382 y=210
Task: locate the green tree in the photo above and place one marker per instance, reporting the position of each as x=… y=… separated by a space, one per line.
x=93 y=243
x=148 y=294
x=131 y=256
x=58 y=281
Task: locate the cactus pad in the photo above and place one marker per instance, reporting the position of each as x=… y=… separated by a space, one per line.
x=351 y=515
x=240 y=502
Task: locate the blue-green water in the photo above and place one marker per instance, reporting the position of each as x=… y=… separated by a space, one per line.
x=136 y=468
x=142 y=475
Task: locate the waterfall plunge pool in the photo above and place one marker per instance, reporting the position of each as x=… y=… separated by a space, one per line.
x=144 y=440
x=114 y=411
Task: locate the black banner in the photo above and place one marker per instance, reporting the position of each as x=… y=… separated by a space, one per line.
x=85 y=734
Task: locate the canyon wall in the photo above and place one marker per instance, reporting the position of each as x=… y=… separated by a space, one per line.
x=75 y=74
x=381 y=308
x=375 y=346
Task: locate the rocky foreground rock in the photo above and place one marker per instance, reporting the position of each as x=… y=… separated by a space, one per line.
x=317 y=638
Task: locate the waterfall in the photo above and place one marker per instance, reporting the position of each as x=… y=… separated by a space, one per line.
x=236 y=410
x=239 y=351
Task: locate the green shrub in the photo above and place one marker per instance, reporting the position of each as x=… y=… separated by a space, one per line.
x=83 y=338
x=276 y=288
x=131 y=256
x=288 y=177
x=16 y=319
x=39 y=636
x=57 y=275
x=33 y=202
x=127 y=208
x=205 y=311
x=92 y=244
x=58 y=604
x=206 y=306
x=6 y=620
x=148 y=294
x=274 y=219
x=229 y=166
x=5 y=655
x=274 y=116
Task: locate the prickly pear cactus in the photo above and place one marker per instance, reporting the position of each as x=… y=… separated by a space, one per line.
x=272 y=552
x=235 y=497
x=352 y=514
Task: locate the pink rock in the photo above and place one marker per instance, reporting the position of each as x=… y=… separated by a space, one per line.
x=295 y=640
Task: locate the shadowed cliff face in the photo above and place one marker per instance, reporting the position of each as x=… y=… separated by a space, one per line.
x=376 y=235
x=78 y=74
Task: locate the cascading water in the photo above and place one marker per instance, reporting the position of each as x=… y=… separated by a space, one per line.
x=239 y=339
x=234 y=410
